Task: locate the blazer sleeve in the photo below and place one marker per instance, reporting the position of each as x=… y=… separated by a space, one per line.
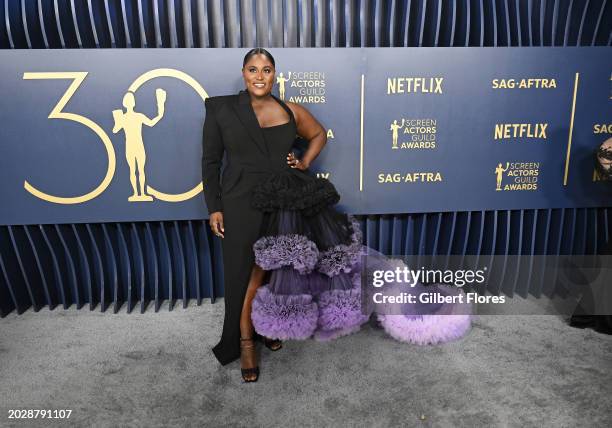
x=212 y=154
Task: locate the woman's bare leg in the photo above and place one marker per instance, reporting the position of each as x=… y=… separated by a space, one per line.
x=256 y=279
x=249 y=359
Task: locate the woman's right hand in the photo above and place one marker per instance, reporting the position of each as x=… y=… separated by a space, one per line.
x=216 y=223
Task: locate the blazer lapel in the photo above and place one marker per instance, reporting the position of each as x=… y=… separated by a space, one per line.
x=246 y=114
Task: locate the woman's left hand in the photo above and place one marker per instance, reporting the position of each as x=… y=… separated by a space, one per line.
x=295 y=162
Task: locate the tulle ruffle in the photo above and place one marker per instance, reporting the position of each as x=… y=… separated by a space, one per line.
x=293 y=192
x=283 y=317
x=331 y=313
x=314 y=255
x=341 y=309
x=425 y=329
x=273 y=252
x=326 y=229
x=341 y=258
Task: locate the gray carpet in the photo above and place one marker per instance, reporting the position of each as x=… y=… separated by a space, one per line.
x=157 y=370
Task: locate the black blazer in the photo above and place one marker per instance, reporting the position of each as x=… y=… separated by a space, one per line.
x=231 y=129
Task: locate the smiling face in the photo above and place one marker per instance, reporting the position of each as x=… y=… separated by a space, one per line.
x=258 y=74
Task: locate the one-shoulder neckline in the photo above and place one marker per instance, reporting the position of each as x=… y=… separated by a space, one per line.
x=284 y=106
x=276 y=126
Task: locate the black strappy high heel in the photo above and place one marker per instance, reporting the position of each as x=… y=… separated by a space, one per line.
x=272 y=344
x=251 y=370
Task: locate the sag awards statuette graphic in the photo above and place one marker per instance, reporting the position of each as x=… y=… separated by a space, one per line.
x=521 y=175
x=131 y=122
x=421 y=133
x=306 y=87
x=281 y=85
x=394 y=128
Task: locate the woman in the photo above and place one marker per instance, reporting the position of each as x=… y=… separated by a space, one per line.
x=278 y=227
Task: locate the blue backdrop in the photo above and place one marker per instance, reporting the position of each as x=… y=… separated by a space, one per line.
x=409 y=130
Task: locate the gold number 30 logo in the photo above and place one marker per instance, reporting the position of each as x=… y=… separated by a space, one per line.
x=58 y=113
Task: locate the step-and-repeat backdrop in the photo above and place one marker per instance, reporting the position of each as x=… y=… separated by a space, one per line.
x=116 y=135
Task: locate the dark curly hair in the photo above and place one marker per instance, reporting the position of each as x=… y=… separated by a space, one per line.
x=258 y=51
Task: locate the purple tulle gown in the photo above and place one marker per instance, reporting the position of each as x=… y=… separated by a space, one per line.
x=313 y=253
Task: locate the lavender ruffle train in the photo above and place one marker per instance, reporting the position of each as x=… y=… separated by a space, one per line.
x=313 y=255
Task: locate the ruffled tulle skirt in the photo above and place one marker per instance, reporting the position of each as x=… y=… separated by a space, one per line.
x=314 y=257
